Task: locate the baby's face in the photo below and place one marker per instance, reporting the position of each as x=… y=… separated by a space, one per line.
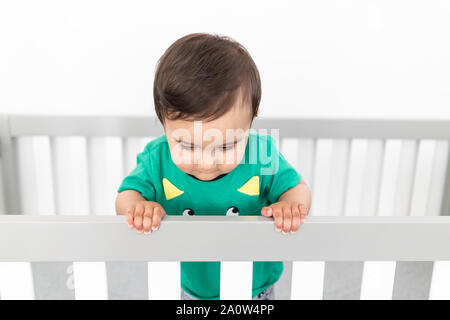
x=209 y=149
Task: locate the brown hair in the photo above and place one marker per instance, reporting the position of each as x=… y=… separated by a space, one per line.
x=201 y=75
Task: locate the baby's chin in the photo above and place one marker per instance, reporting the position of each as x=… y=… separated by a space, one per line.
x=207 y=177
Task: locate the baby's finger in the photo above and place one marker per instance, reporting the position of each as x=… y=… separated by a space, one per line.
x=278 y=218
x=148 y=215
x=158 y=212
x=138 y=216
x=287 y=220
x=295 y=219
x=267 y=211
x=130 y=213
x=303 y=213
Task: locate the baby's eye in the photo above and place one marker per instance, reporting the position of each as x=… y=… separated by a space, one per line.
x=185 y=147
x=225 y=148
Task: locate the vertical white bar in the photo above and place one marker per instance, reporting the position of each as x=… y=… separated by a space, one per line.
x=307 y=280
x=105 y=157
x=437 y=184
x=2 y=190
x=131 y=147
x=70 y=175
x=164 y=281
x=16 y=281
x=236 y=280
x=378 y=280
x=440 y=281
x=306 y=160
x=70 y=184
x=422 y=179
x=357 y=168
x=322 y=174
x=338 y=177
x=290 y=149
x=389 y=177
x=405 y=179
x=26 y=166
x=90 y=281
x=372 y=177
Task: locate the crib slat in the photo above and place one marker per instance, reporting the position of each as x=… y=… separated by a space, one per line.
x=164 y=282
x=2 y=189
x=389 y=177
x=378 y=280
x=16 y=281
x=104 y=173
x=422 y=177
x=437 y=183
x=127 y=280
x=372 y=177
x=283 y=286
x=290 y=148
x=307 y=280
x=322 y=172
x=70 y=175
x=355 y=180
x=440 y=282
x=412 y=280
x=307 y=152
x=338 y=176
x=236 y=280
x=342 y=280
x=53 y=280
x=35 y=174
x=27 y=175
x=90 y=281
x=405 y=178
x=8 y=147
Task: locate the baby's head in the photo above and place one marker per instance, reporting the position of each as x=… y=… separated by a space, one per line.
x=207 y=92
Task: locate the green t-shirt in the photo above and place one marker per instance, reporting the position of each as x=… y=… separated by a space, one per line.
x=260 y=178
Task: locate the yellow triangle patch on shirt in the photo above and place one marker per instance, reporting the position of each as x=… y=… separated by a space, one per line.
x=170 y=190
x=251 y=187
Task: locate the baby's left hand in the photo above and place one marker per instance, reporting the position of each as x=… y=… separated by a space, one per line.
x=287 y=215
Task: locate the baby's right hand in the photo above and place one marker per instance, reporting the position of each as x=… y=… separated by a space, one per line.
x=145 y=216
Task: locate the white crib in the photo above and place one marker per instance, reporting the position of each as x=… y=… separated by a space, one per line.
x=377 y=229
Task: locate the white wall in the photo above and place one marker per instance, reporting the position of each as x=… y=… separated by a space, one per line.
x=316 y=58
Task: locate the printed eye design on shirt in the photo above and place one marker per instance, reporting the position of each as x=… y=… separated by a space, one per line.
x=188 y=212
x=251 y=188
x=232 y=211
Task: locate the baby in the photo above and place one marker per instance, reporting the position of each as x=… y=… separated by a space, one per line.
x=207 y=92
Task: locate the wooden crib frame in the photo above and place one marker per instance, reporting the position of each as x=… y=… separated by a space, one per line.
x=342 y=240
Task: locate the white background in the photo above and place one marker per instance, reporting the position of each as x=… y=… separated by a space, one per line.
x=384 y=59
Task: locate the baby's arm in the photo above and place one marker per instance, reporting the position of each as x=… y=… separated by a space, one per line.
x=126 y=199
x=300 y=193
x=291 y=209
x=144 y=215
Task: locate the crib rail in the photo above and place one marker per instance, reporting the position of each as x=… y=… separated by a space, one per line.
x=91 y=252
x=211 y=238
x=67 y=166
x=34 y=125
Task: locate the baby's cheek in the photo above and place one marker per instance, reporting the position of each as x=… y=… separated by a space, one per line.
x=182 y=158
x=185 y=167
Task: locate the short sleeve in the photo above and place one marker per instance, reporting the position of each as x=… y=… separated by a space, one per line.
x=278 y=175
x=139 y=179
